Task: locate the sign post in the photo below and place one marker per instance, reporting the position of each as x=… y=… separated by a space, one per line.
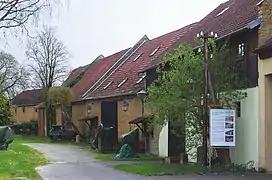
x=222 y=128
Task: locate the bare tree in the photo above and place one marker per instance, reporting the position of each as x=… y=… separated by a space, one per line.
x=13 y=76
x=18 y=13
x=48 y=66
x=48 y=59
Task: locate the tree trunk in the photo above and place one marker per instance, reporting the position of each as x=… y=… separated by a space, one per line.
x=50 y=116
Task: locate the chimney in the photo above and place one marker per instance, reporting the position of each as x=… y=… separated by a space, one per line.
x=265 y=13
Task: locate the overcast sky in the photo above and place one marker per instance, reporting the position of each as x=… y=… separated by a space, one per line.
x=92 y=27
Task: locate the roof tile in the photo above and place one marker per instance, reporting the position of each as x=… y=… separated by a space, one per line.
x=94 y=72
x=131 y=68
x=29 y=97
x=238 y=16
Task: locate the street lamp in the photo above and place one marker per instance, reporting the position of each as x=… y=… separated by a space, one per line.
x=125 y=106
x=206 y=37
x=142 y=94
x=89 y=108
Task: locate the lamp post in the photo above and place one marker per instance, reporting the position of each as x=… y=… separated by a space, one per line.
x=206 y=37
x=142 y=94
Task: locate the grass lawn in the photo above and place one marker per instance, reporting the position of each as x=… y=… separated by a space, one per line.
x=111 y=157
x=157 y=169
x=20 y=161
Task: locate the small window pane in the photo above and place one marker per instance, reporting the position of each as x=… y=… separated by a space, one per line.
x=241 y=50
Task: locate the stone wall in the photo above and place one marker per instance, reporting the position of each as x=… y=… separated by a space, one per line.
x=154 y=141
x=265 y=31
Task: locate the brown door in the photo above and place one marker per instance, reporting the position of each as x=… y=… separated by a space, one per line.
x=41 y=122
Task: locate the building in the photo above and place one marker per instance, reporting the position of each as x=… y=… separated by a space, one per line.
x=265 y=87
x=243 y=23
x=119 y=86
x=108 y=88
x=23 y=105
x=238 y=22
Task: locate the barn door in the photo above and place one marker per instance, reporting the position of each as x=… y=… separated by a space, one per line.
x=109 y=116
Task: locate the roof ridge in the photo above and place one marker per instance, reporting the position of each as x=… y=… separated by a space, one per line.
x=187 y=26
x=31 y=90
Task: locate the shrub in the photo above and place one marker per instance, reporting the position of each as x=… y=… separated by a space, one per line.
x=26 y=128
x=5 y=111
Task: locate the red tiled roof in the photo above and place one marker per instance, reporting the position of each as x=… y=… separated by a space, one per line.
x=94 y=72
x=238 y=14
x=29 y=97
x=130 y=68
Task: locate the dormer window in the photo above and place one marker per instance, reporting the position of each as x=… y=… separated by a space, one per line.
x=108 y=85
x=222 y=12
x=154 y=52
x=137 y=57
x=140 y=80
x=123 y=82
x=241 y=49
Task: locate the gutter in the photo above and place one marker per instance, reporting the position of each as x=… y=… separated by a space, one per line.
x=105 y=97
x=24 y=105
x=111 y=96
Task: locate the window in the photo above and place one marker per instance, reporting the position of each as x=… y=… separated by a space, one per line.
x=108 y=85
x=36 y=110
x=137 y=57
x=224 y=10
x=140 y=80
x=122 y=82
x=154 y=52
x=238 y=108
x=15 y=110
x=23 y=109
x=241 y=49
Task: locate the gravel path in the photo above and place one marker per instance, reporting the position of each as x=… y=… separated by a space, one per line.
x=75 y=163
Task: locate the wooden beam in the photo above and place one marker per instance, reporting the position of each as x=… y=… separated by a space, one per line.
x=139 y=127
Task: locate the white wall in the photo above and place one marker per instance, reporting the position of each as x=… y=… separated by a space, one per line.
x=163 y=141
x=247 y=130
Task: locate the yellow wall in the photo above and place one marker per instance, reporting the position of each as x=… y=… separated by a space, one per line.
x=24 y=116
x=78 y=112
x=58 y=115
x=265 y=105
x=134 y=110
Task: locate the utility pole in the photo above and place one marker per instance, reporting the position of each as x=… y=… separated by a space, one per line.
x=206 y=37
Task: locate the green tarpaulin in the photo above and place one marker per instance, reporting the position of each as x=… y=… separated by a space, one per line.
x=6 y=137
x=126 y=152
